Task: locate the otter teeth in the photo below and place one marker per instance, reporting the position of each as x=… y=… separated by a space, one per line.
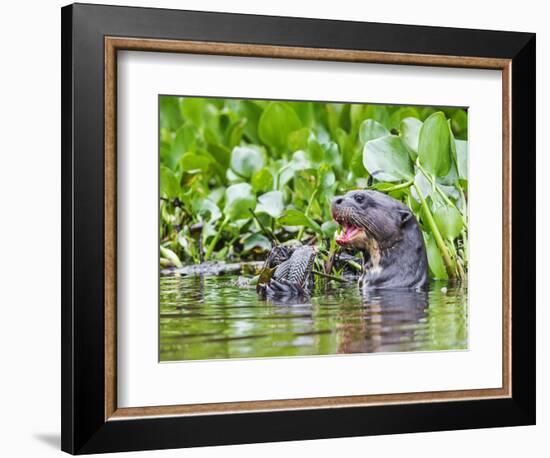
x=347 y=234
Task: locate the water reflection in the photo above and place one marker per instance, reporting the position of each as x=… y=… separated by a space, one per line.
x=213 y=317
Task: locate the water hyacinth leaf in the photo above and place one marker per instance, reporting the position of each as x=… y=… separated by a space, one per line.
x=423 y=184
x=216 y=194
x=434 y=150
x=193 y=109
x=220 y=153
x=357 y=166
x=387 y=159
x=232 y=177
x=459 y=123
x=435 y=261
x=293 y=217
x=256 y=241
x=169 y=183
x=186 y=140
x=170 y=117
x=239 y=199
x=370 y=130
x=451 y=178
x=166 y=253
x=315 y=150
x=462 y=158
x=329 y=228
x=207 y=209
x=262 y=180
x=299 y=138
x=449 y=221
x=246 y=160
x=379 y=113
x=235 y=133
x=400 y=114
x=276 y=123
x=271 y=203
x=191 y=162
x=332 y=154
x=305 y=182
x=305 y=112
x=410 y=132
x=326 y=177
x=299 y=161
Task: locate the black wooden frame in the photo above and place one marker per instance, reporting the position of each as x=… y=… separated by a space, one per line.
x=84 y=429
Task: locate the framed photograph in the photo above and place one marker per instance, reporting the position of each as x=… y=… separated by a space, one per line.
x=284 y=228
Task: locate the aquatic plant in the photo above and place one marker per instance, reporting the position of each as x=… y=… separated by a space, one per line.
x=237 y=176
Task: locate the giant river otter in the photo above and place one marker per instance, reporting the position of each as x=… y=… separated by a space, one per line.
x=388 y=234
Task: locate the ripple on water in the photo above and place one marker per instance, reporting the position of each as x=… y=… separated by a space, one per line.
x=210 y=317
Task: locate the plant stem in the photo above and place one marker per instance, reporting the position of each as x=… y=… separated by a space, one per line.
x=435 y=186
x=212 y=244
x=310 y=203
x=400 y=186
x=451 y=269
x=330 y=277
x=278 y=176
x=268 y=232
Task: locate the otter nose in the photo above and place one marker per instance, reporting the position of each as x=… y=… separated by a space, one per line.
x=338 y=201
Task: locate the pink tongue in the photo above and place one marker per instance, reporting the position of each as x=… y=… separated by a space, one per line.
x=348 y=233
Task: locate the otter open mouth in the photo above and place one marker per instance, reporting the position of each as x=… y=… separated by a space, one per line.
x=349 y=232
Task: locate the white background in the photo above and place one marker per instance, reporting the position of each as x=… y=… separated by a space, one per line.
x=30 y=228
x=142 y=381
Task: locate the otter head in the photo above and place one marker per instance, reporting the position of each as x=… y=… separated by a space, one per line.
x=369 y=216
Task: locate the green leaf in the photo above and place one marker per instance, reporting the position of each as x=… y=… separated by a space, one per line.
x=262 y=180
x=193 y=109
x=370 y=130
x=449 y=221
x=315 y=150
x=328 y=228
x=332 y=154
x=220 y=153
x=410 y=132
x=170 y=117
x=434 y=149
x=387 y=159
x=462 y=158
x=206 y=207
x=293 y=217
x=271 y=203
x=326 y=177
x=171 y=256
x=169 y=183
x=299 y=161
x=424 y=185
x=459 y=123
x=400 y=114
x=239 y=199
x=235 y=133
x=246 y=160
x=191 y=162
x=256 y=241
x=435 y=261
x=276 y=123
x=379 y=113
x=299 y=138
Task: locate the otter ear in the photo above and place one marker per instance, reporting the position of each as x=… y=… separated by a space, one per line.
x=405 y=216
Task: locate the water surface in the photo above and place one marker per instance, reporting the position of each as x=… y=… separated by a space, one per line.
x=210 y=317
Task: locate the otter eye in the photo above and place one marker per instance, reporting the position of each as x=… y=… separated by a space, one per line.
x=359 y=198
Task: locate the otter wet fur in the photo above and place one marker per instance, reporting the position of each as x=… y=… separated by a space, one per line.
x=388 y=235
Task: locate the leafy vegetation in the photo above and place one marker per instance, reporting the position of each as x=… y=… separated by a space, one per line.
x=237 y=176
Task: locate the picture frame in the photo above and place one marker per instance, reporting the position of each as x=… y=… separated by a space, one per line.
x=92 y=35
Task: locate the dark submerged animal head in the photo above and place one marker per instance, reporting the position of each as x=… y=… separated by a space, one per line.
x=368 y=216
